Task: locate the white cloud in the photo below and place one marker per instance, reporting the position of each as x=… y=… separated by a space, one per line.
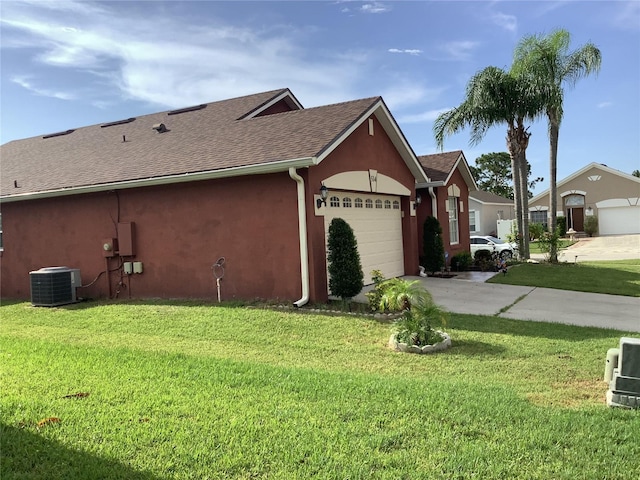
x=459 y=50
x=44 y=92
x=409 y=51
x=428 y=116
x=508 y=22
x=154 y=58
x=375 y=7
x=605 y=104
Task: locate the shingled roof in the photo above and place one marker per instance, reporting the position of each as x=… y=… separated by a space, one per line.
x=226 y=138
x=489 y=197
x=440 y=166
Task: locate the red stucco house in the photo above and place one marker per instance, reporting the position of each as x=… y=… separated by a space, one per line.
x=172 y=193
x=446 y=197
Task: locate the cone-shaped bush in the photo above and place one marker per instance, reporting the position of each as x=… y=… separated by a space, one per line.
x=345 y=271
x=433 y=248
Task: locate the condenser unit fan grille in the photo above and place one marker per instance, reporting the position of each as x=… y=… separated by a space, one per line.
x=53 y=286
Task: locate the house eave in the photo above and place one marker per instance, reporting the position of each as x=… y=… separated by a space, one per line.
x=261 y=169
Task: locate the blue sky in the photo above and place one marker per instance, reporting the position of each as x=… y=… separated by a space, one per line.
x=71 y=64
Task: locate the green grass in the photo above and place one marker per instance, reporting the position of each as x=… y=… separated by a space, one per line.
x=183 y=390
x=535 y=246
x=619 y=277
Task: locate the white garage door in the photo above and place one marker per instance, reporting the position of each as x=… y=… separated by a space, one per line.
x=619 y=220
x=376 y=221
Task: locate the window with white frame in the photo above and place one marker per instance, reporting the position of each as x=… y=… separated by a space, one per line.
x=472 y=221
x=368 y=203
x=396 y=205
x=539 y=216
x=357 y=202
x=452 y=207
x=334 y=201
x=378 y=203
x=346 y=202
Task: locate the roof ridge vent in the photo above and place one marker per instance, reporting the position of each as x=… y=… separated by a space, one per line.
x=188 y=109
x=119 y=122
x=59 y=134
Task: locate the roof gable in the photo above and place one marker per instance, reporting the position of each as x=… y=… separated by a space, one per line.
x=582 y=171
x=440 y=166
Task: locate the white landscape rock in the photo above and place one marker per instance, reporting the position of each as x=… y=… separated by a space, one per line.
x=438 y=347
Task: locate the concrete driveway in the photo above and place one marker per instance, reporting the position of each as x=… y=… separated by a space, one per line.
x=469 y=294
x=609 y=247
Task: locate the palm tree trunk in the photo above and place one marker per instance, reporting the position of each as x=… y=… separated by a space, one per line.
x=524 y=191
x=554 y=132
x=513 y=148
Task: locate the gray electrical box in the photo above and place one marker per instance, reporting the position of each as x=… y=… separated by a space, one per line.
x=624 y=385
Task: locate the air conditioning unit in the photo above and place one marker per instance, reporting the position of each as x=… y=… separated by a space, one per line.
x=52 y=286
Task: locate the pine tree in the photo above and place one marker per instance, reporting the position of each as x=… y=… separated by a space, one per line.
x=345 y=271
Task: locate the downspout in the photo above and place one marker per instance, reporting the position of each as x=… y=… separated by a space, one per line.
x=302 y=230
x=434 y=202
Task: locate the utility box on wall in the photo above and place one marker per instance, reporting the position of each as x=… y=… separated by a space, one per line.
x=126 y=239
x=624 y=381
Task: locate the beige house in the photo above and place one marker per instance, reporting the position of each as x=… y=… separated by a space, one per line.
x=611 y=195
x=485 y=210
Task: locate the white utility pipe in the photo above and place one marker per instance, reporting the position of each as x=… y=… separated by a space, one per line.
x=434 y=203
x=302 y=230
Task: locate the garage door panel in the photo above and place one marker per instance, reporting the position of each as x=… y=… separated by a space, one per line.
x=378 y=232
x=619 y=220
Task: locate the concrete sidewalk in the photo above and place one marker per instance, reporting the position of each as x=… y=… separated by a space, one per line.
x=471 y=295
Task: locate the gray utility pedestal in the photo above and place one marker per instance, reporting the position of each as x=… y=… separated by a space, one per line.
x=622 y=371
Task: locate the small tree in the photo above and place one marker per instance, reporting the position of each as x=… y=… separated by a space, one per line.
x=345 y=271
x=433 y=248
x=591 y=225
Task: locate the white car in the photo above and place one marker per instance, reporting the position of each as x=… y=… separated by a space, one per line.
x=491 y=244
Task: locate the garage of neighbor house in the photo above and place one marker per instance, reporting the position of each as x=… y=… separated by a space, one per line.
x=229 y=188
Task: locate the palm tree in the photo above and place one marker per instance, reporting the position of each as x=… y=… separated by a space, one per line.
x=494 y=97
x=548 y=64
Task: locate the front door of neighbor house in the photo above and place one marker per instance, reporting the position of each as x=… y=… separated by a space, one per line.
x=575 y=218
x=574 y=205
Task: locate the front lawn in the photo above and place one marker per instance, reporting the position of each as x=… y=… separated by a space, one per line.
x=619 y=277
x=160 y=390
x=535 y=246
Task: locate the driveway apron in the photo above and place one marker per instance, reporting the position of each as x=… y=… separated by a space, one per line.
x=533 y=303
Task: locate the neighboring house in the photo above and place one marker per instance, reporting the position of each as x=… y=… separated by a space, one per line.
x=238 y=180
x=596 y=189
x=486 y=209
x=446 y=196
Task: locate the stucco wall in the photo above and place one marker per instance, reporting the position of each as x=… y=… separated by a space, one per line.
x=425 y=210
x=598 y=185
x=360 y=151
x=181 y=230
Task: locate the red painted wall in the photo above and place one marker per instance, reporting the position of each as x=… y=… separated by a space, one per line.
x=425 y=210
x=181 y=230
x=360 y=151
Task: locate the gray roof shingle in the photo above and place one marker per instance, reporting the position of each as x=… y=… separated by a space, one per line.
x=219 y=136
x=439 y=165
x=488 y=197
